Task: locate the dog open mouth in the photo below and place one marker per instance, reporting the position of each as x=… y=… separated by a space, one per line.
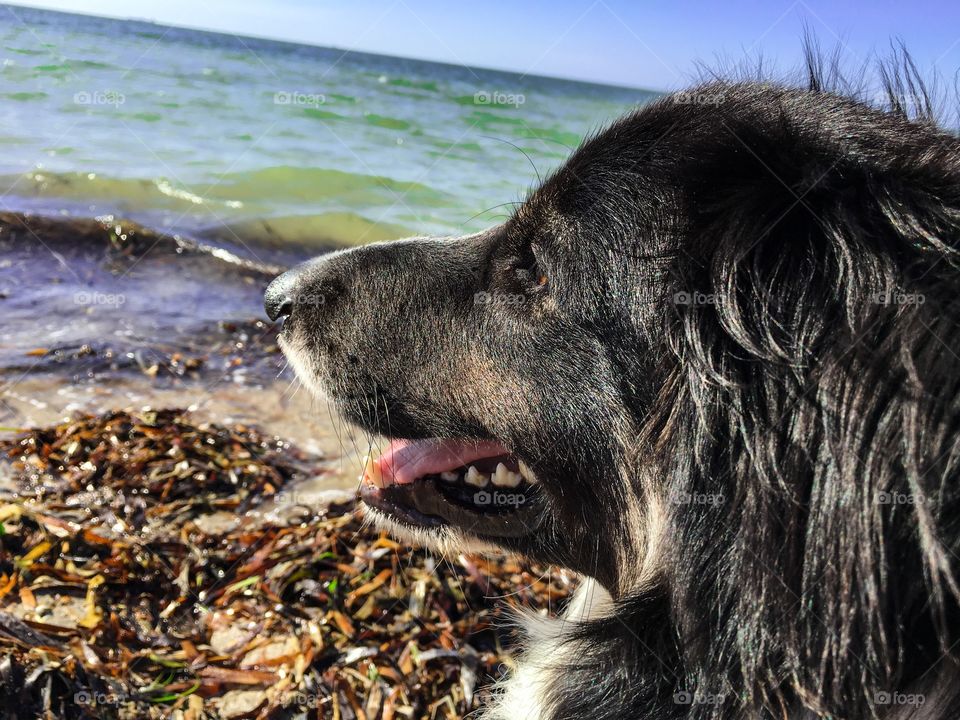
x=479 y=487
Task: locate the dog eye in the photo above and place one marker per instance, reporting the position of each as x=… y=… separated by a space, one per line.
x=536 y=275
x=532 y=271
x=540 y=275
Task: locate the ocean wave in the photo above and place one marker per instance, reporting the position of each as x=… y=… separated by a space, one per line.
x=286 y=182
x=313 y=208
x=278 y=186
x=324 y=231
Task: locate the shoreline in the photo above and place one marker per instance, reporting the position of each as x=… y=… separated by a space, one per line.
x=130 y=319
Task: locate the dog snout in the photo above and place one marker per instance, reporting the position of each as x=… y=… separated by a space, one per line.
x=280 y=293
x=306 y=288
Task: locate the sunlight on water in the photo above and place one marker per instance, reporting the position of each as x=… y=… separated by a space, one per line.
x=190 y=131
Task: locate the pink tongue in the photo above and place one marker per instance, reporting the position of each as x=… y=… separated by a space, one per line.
x=406 y=460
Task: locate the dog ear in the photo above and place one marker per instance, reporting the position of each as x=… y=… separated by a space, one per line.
x=816 y=327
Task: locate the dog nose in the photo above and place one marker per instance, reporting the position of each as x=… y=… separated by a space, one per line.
x=278 y=298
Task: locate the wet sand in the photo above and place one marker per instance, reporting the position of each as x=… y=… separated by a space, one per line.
x=105 y=314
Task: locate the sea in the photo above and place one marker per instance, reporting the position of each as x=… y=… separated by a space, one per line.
x=195 y=132
x=229 y=158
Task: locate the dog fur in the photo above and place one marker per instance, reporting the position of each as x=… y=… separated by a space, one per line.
x=735 y=370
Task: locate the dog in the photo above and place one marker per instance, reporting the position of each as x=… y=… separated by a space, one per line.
x=711 y=364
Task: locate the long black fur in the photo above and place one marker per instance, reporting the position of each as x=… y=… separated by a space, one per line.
x=819 y=392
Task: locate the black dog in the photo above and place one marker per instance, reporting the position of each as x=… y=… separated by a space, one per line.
x=713 y=363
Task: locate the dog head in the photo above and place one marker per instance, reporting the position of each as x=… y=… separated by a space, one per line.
x=690 y=248
x=512 y=368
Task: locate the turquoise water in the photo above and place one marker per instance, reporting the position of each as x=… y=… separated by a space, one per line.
x=217 y=135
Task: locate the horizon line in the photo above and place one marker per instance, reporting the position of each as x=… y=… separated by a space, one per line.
x=345 y=51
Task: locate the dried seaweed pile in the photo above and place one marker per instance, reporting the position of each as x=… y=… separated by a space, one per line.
x=116 y=600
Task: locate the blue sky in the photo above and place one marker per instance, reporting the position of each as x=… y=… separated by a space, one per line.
x=642 y=44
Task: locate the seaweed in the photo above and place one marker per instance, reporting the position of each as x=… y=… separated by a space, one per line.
x=118 y=599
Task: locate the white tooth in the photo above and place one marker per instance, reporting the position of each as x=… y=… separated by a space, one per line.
x=476 y=478
x=449 y=476
x=505 y=478
x=527 y=473
x=374 y=475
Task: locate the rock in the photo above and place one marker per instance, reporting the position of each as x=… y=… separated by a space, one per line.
x=282 y=647
x=227 y=639
x=239 y=703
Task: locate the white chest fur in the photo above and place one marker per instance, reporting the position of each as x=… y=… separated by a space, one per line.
x=547 y=651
